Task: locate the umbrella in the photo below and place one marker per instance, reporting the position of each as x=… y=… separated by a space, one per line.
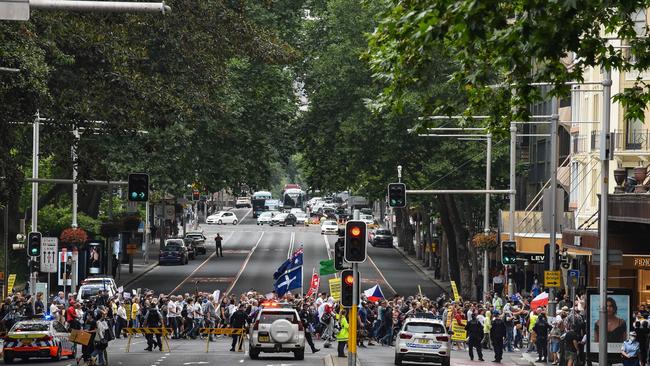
x=539 y=300
x=374 y=293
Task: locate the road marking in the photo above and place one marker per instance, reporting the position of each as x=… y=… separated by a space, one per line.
x=327 y=244
x=197 y=268
x=291 y=244
x=381 y=274
x=196 y=363
x=241 y=270
x=242 y=219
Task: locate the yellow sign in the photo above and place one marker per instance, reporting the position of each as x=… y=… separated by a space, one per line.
x=335 y=288
x=460 y=334
x=552 y=278
x=454 y=289
x=10 y=283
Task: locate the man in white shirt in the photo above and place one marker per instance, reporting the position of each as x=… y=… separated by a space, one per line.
x=172 y=316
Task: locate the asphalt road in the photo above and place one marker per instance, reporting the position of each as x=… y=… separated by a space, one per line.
x=252 y=253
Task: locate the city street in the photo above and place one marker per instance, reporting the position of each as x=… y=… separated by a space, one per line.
x=193 y=352
x=252 y=253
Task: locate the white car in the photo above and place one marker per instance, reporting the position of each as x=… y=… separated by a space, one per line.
x=265 y=217
x=243 y=202
x=329 y=227
x=221 y=218
x=103 y=280
x=85 y=292
x=296 y=211
x=277 y=330
x=423 y=340
x=302 y=218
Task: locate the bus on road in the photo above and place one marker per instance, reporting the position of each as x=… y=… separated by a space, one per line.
x=293 y=198
x=258 y=202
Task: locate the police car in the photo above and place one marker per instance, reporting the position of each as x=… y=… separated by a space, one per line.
x=277 y=328
x=37 y=338
x=423 y=340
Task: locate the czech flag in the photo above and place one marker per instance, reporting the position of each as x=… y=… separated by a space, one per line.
x=539 y=300
x=374 y=293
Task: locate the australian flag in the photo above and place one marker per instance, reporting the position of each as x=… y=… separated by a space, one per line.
x=289 y=275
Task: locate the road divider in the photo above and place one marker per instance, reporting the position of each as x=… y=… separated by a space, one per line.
x=163 y=332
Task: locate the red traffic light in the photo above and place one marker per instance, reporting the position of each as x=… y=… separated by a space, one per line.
x=349 y=280
x=355 y=231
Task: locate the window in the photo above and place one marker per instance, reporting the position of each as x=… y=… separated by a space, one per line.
x=268 y=317
x=635 y=136
x=426 y=328
x=31 y=327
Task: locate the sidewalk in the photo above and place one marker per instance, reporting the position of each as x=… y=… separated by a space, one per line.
x=509 y=358
x=140 y=268
x=428 y=273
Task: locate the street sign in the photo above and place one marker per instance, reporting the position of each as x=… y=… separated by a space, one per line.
x=552 y=278
x=614 y=257
x=14 y=9
x=49 y=250
x=454 y=290
x=574 y=276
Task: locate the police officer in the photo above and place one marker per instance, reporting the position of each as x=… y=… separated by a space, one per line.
x=474 y=331
x=497 y=335
x=153 y=319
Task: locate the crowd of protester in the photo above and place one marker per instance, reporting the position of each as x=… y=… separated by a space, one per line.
x=501 y=324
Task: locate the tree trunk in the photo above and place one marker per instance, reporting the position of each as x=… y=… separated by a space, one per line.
x=450 y=234
x=462 y=254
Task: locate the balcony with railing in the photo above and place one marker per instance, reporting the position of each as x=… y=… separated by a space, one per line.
x=580 y=144
x=635 y=140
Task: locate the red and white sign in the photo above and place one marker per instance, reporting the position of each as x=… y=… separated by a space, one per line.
x=315 y=283
x=64 y=255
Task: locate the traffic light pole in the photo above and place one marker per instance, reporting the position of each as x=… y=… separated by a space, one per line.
x=553 y=197
x=352 y=339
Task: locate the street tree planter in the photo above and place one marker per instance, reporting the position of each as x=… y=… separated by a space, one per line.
x=131 y=223
x=485 y=242
x=74 y=237
x=110 y=229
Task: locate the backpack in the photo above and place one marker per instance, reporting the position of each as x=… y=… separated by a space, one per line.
x=326 y=318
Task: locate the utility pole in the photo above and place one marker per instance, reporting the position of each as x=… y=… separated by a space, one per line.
x=553 y=197
x=352 y=345
x=602 y=225
x=513 y=182
x=75 y=132
x=486 y=229
x=35 y=160
x=6 y=240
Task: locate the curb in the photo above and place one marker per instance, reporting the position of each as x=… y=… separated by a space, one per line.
x=137 y=277
x=416 y=264
x=331 y=360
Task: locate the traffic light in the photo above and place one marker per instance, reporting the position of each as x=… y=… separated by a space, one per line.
x=356 y=237
x=138 y=187
x=508 y=252
x=347 y=285
x=339 y=253
x=34 y=244
x=196 y=195
x=68 y=270
x=397 y=195
x=547 y=257
x=34 y=266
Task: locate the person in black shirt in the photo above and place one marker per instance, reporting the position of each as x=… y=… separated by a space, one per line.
x=541 y=328
x=571 y=346
x=474 y=331
x=237 y=320
x=153 y=319
x=306 y=318
x=497 y=335
x=218 y=247
x=642 y=335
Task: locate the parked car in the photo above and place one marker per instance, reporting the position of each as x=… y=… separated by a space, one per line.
x=265 y=217
x=423 y=340
x=243 y=202
x=277 y=330
x=382 y=237
x=38 y=338
x=296 y=211
x=284 y=219
x=174 y=251
x=199 y=241
x=223 y=217
x=329 y=227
